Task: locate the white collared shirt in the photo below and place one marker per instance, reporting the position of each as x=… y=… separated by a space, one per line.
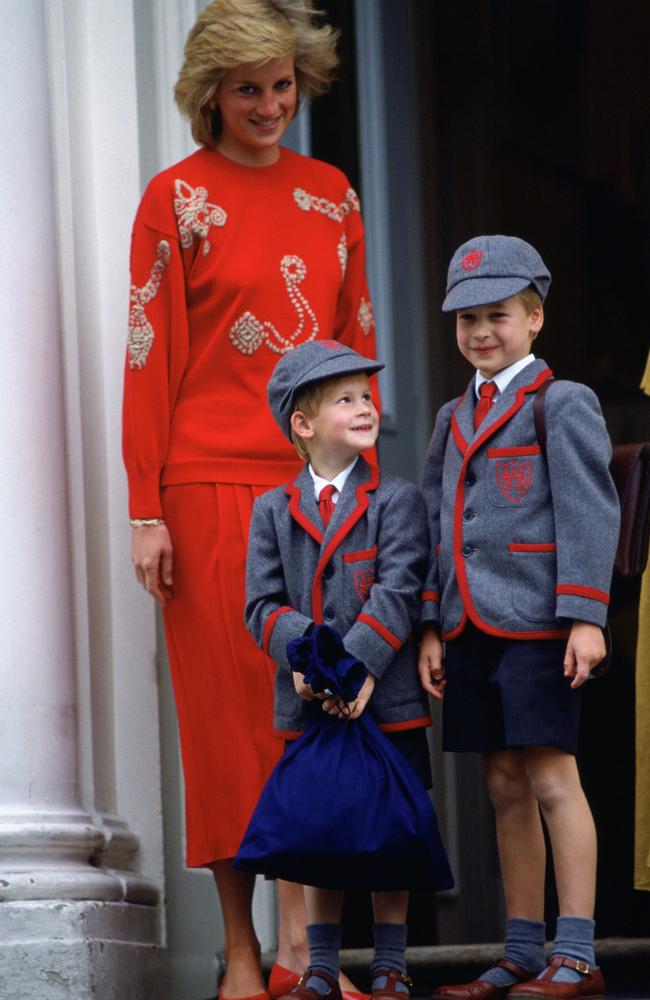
x=503 y=378
x=338 y=482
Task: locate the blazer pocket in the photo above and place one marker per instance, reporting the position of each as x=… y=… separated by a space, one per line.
x=517 y=477
x=533 y=572
x=359 y=572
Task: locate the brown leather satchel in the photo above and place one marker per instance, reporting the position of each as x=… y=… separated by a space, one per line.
x=630 y=469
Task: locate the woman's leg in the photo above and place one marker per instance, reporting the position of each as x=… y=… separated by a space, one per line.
x=243 y=976
x=293 y=950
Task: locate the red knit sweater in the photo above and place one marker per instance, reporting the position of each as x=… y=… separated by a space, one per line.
x=231 y=266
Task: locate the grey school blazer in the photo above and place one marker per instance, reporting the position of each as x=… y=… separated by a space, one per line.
x=363 y=576
x=521 y=544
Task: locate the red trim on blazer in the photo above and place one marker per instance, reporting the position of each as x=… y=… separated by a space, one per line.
x=386 y=727
x=381 y=630
x=461 y=443
x=344 y=529
x=527 y=449
x=459 y=561
x=430 y=595
x=532 y=546
x=438 y=549
x=349 y=557
x=294 y=509
x=577 y=591
x=269 y=625
x=400 y=727
x=455 y=632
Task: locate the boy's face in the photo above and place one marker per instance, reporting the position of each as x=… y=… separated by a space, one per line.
x=346 y=424
x=494 y=336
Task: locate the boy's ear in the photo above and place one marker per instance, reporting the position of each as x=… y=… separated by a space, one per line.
x=301 y=425
x=536 y=320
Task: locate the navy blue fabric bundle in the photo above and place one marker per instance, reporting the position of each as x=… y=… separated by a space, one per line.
x=343 y=809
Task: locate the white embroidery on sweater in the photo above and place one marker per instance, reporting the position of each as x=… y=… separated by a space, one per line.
x=365 y=316
x=342 y=251
x=307 y=201
x=195 y=214
x=248 y=333
x=141 y=333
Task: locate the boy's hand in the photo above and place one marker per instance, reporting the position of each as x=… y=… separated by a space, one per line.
x=585 y=648
x=304 y=690
x=430 y=666
x=353 y=709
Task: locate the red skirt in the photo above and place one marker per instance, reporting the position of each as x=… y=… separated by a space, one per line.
x=223 y=684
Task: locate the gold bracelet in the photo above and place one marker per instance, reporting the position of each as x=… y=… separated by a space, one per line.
x=146 y=522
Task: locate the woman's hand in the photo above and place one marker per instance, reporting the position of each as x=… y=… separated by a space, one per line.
x=152 y=556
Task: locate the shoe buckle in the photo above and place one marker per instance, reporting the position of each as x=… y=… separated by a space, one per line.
x=582 y=967
x=406 y=979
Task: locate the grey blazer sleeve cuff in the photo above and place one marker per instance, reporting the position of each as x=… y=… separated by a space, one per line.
x=280 y=628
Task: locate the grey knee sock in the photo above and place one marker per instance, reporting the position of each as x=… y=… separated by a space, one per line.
x=574 y=938
x=524 y=945
x=324 y=947
x=390 y=953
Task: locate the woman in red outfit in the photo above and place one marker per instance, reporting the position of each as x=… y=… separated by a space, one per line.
x=239 y=253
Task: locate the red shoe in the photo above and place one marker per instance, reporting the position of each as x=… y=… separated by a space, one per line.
x=256 y=996
x=281 y=981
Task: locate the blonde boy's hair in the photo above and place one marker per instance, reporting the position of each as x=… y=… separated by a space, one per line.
x=230 y=33
x=308 y=401
x=530 y=300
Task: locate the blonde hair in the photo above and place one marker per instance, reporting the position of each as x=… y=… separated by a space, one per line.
x=231 y=33
x=308 y=401
x=530 y=300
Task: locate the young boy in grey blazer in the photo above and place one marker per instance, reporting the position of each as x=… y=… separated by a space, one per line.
x=523 y=547
x=348 y=547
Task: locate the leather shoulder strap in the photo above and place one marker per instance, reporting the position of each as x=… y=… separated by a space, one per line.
x=538 y=413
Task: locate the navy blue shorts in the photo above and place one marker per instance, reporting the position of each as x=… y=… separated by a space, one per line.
x=504 y=693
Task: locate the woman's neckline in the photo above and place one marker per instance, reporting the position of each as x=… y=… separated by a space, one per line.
x=253 y=168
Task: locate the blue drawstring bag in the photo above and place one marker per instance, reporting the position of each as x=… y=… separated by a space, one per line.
x=343 y=808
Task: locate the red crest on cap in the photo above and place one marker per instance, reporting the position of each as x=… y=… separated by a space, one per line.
x=471 y=260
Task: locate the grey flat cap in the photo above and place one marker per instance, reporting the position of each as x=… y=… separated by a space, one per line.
x=310 y=362
x=492 y=268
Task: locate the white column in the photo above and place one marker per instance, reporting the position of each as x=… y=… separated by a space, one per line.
x=67 y=928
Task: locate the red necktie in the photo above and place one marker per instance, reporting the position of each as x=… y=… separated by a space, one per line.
x=486 y=393
x=325 y=503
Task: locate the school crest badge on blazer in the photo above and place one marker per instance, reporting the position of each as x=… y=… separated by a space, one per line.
x=363 y=581
x=514 y=479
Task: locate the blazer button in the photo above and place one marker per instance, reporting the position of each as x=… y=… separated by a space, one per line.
x=468 y=515
x=328 y=614
x=328 y=572
x=467 y=550
x=470 y=479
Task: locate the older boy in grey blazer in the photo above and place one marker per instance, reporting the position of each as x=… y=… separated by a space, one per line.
x=523 y=547
x=346 y=546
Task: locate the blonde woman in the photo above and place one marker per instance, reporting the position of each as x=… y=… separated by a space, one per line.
x=239 y=253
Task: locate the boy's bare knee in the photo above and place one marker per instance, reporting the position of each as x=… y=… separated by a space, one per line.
x=507 y=784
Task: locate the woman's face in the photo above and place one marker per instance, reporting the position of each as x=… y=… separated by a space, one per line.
x=256 y=104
